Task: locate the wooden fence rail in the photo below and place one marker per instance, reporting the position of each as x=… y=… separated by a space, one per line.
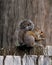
x=26 y=60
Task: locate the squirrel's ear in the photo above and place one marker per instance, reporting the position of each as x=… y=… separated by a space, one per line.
x=32 y=24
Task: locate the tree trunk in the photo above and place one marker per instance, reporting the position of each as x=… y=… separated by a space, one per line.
x=13 y=11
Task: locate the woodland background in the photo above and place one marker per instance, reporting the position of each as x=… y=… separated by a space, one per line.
x=13 y=11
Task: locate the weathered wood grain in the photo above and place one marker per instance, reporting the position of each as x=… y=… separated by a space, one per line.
x=1 y=60
x=26 y=60
x=8 y=60
x=12 y=60
x=29 y=60
x=49 y=50
x=17 y=60
x=44 y=60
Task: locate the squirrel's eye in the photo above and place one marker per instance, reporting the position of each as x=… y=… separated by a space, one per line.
x=28 y=24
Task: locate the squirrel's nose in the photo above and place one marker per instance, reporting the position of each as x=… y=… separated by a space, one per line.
x=28 y=28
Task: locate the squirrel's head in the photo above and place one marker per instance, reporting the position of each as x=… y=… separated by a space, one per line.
x=26 y=25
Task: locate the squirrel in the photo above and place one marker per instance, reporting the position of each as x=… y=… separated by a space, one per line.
x=25 y=35
x=29 y=34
